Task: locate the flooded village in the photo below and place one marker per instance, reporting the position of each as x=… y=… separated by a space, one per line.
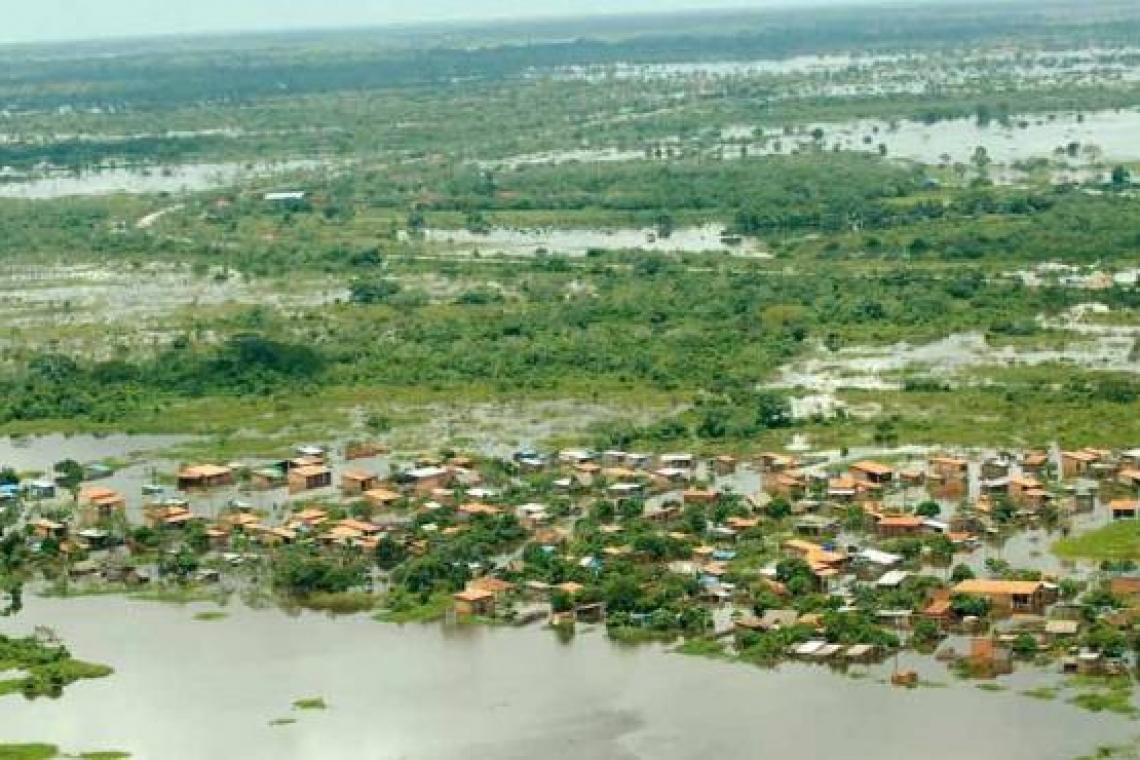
x=909 y=568
x=737 y=384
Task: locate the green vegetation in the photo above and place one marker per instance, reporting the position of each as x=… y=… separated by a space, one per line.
x=310 y=703
x=28 y=751
x=48 y=669
x=1117 y=541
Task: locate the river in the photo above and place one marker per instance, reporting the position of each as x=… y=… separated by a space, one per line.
x=189 y=690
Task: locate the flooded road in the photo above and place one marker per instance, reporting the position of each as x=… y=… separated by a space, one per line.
x=185 y=690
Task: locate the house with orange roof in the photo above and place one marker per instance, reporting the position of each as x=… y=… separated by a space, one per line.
x=358 y=482
x=1129 y=476
x=897 y=526
x=1007 y=597
x=473 y=602
x=1124 y=509
x=97 y=503
x=948 y=467
x=202 y=477
x=309 y=478
x=382 y=498
x=1078 y=464
x=874 y=473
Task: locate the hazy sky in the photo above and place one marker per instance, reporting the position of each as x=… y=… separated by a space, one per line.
x=40 y=20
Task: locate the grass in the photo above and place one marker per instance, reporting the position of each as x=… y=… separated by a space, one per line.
x=28 y=751
x=348 y=603
x=1102 y=701
x=282 y=721
x=178 y=595
x=434 y=609
x=1120 y=540
x=1104 y=695
x=310 y=703
x=211 y=616
x=991 y=687
x=1042 y=692
x=702 y=648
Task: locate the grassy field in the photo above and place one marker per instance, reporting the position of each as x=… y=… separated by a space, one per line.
x=1118 y=541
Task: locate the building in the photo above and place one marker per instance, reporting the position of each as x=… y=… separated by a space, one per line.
x=424 y=480
x=1007 y=597
x=202 y=477
x=1078 y=464
x=895 y=526
x=874 y=473
x=1124 y=509
x=358 y=482
x=309 y=478
x=474 y=603
x=97 y=503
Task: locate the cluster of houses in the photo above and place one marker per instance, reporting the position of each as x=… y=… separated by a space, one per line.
x=338 y=503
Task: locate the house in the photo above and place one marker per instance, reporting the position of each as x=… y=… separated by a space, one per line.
x=424 y=480
x=494 y=586
x=1129 y=477
x=1124 y=509
x=874 y=473
x=842 y=488
x=203 y=477
x=1075 y=464
x=724 y=465
x=172 y=514
x=939 y=608
x=42 y=489
x=358 y=482
x=698 y=496
x=97 y=503
x=382 y=498
x=895 y=526
x=1007 y=597
x=1023 y=489
x=44 y=528
x=267 y=478
x=1034 y=462
x=790 y=485
x=309 y=478
x=474 y=603
x=677 y=461
x=773 y=462
x=949 y=468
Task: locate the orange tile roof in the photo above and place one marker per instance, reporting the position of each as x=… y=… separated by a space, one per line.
x=984 y=587
x=874 y=468
x=900 y=521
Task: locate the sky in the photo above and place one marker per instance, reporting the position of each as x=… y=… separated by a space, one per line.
x=51 y=20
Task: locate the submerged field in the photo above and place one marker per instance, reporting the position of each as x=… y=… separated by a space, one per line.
x=848 y=219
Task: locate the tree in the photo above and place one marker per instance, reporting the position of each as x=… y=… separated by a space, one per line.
x=778 y=508
x=1025 y=646
x=373 y=291
x=928 y=509
x=69 y=476
x=961 y=573
x=1121 y=176
x=925 y=632
x=967 y=605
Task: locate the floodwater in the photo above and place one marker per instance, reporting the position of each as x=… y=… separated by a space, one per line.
x=1111 y=135
x=577 y=242
x=40 y=453
x=871 y=368
x=180 y=178
x=187 y=690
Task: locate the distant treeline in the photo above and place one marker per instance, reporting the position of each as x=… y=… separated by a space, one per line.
x=143 y=77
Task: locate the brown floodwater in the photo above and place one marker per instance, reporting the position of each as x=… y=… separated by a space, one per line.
x=185 y=690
